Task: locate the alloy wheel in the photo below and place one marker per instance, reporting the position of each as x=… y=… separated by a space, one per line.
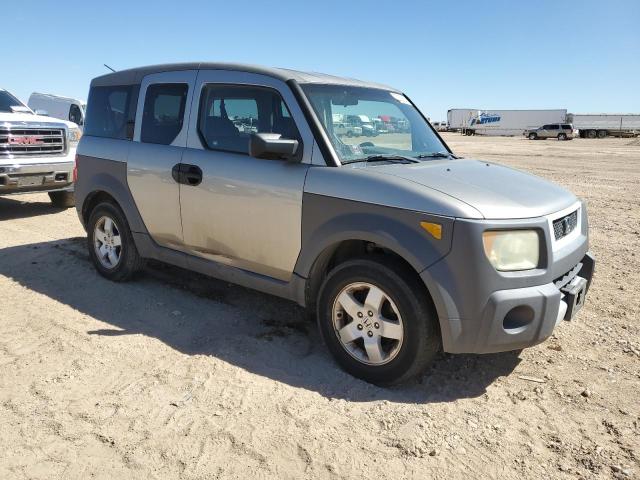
x=367 y=323
x=107 y=242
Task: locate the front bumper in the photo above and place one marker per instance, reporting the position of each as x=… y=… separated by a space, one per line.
x=481 y=310
x=523 y=317
x=36 y=177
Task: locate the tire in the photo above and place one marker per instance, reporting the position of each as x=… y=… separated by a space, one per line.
x=602 y=133
x=533 y=136
x=591 y=134
x=62 y=199
x=406 y=338
x=562 y=136
x=128 y=261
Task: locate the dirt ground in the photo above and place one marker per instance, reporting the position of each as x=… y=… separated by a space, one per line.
x=178 y=376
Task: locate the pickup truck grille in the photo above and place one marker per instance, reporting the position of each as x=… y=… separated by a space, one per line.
x=565 y=225
x=31 y=141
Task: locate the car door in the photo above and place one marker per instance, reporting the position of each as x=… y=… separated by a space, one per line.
x=245 y=212
x=544 y=132
x=554 y=130
x=159 y=141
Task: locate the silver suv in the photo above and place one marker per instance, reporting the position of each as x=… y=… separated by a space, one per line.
x=399 y=247
x=561 y=131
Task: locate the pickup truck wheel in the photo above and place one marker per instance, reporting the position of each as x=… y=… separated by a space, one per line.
x=376 y=321
x=111 y=246
x=562 y=136
x=62 y=199
x=532 y=136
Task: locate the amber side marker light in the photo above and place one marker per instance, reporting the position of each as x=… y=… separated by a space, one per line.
x=435 y=229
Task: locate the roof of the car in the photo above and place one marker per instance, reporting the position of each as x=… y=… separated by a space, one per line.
x=134 y=75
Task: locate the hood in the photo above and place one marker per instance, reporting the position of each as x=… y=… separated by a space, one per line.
x=28 y=118
x=497 y=192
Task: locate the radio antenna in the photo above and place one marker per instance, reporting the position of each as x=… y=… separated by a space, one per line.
x=109 y=67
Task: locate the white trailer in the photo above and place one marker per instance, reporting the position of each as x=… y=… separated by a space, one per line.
x=601 y=125
x=503 y=122
x=459 y=118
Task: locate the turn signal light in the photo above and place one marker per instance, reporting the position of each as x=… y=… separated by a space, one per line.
x=435 y=229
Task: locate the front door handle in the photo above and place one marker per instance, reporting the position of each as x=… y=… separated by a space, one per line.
x=187 y=174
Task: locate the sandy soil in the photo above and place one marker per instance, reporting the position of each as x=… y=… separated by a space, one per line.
x=178 y=376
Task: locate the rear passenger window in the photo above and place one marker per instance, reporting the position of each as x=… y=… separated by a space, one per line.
x=163 y=114
x=566 y=127
x=229 y=114
x=111 y=111
x=554 y=127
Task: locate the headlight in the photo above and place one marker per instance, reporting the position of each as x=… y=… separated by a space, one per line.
x=73 y=136
x=512 y=249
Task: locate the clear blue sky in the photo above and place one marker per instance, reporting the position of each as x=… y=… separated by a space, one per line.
x=580 y=55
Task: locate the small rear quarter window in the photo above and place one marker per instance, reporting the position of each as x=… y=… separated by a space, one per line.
x=111 y=111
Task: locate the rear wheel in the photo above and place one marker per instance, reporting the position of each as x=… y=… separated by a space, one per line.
x=111 y=246
x=602 y=133
x=62 y=199
x=591 y=134
x=376 y=321
x=532 y=136
x=562 y=136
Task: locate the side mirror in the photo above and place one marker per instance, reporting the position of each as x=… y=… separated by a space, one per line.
x=44 y=113
x=272 y=147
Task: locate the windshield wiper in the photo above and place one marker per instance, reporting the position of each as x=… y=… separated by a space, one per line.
x=436 y=155
x=381 y=158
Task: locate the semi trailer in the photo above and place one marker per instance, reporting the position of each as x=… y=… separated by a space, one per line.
x=602 y=125
x=501 y=122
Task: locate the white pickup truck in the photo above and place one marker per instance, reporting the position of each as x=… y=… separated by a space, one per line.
x=37 y=153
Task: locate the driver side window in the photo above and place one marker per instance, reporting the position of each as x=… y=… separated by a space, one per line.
x=230 y=114
x=75 y=114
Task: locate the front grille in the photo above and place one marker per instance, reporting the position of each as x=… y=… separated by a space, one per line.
x=565 y=225
x=31 y=141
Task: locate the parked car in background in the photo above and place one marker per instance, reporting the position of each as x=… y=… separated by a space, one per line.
x=365 y=124
x=380 y=126
x=399 y=247
x=36 y=152
x=561 y=131
x=347 y=129
x=56 y=106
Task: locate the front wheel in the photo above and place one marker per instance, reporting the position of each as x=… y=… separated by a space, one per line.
x=376 y=321
x=62 y=199
x=111 y=246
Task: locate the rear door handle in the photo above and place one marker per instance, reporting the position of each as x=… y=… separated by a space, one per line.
x=175 y=172
x=192 y=174
x=187 y=174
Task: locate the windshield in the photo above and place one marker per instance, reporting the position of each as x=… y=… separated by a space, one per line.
x=366 y=122
x=7 y=101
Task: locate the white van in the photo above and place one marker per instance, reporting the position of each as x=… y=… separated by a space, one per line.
x=64 y=108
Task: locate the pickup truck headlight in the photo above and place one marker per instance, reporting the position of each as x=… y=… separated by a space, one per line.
x=511 y=250
x=73 y=136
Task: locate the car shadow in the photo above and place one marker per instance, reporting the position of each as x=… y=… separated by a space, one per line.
x=198 y=315
x=14 y=208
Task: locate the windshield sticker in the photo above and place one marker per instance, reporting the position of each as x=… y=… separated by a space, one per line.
x=401 y=98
